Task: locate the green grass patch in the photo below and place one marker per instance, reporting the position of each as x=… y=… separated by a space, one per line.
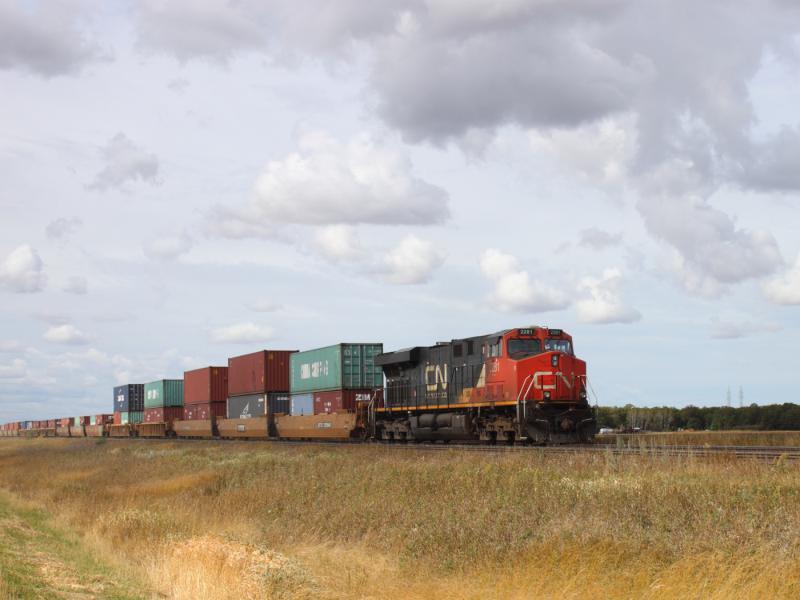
x=40 y=560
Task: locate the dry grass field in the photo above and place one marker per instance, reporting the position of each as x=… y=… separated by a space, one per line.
x=247 y=520
x=700 y=438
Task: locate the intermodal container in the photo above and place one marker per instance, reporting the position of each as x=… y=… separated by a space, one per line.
x=301 y=404
x=136 y=416
x=212 y=410
x=209 y=384
x=163 y=414
x=336 y=401
x=118 y=417
x=163 y=393
x=190 y=412
x=104 y=419
x=51 y=424
x=342 y=366
x=259 y=372
x=258 y=405
x=129 y=397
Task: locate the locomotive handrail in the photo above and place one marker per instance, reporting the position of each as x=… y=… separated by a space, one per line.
x=523 y=392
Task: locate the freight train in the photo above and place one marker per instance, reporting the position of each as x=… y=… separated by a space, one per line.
x=522 y=385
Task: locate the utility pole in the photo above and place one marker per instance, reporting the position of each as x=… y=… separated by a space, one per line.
x=741 y=397
x=728 y=397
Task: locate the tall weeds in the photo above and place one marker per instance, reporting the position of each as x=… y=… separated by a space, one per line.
x=221 y=520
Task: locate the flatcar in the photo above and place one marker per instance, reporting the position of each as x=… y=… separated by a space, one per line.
x=522 y=384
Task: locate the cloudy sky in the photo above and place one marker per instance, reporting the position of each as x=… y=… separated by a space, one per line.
x=189 y=180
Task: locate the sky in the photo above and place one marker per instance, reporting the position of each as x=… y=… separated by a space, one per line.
x=191 y=180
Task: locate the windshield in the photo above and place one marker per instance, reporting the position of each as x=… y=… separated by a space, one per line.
x=564 y=346
x=521 y=348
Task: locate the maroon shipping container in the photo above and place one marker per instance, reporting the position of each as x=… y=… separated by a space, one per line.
x=164 y=414
x=212 y=409
x=259 y=372
x=209 y=384
x=51 y=424
x=87 y=420
x=190 y=412
x=117 y=418
x=337 y=401
x=65 y=422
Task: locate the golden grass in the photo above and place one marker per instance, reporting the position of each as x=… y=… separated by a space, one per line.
x=224 y=520
x=712 y=438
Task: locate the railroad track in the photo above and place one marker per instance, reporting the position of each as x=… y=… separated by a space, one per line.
x=764 y=453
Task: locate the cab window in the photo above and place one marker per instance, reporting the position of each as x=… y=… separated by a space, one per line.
x=521 y=348
x=495 y=349
x=551 y=345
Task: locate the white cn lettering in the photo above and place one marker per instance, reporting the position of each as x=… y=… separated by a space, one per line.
x=439 y=377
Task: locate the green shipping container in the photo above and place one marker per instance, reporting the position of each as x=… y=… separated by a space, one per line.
x=164 y=392
x=343 y=366
x=131 y=417
x=93 y=420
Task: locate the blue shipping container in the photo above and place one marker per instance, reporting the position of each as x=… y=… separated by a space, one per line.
x=302 y=404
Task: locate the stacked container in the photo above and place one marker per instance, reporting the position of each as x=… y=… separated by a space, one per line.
x=334 y=379
x=163 y=401
x=204 y=393
x=129 y=400
x=258 y=384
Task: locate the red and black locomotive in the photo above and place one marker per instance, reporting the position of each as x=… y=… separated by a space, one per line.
x=520 y=384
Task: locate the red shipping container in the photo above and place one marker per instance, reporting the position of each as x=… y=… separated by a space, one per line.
x=190 y=411
x=209 y=384
x=212 y=409
x=164 y=414
x=117 y=418
x=337 y=401
x=87 y=420
x=66 y=422
x=51 y=424
x=259 y=372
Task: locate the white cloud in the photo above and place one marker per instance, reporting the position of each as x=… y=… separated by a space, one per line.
x=17 y=369
x=124 y=162
x=412 y=261
x=713 y=251
x=63 y=227
x=42 y=37
x=22 y=271
x=76 y=285
x=212 y=29
x=600 y=153
x=242 y=333
x=66 y=334
x=167 y=247
x=785 y=288
x=328 y=182
x=338 y=242
x=604 y=305
x=513 y=289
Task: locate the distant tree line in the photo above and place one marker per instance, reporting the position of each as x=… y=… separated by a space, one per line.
x=664 y=418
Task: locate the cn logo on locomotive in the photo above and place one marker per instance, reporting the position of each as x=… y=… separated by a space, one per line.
x=439 y=377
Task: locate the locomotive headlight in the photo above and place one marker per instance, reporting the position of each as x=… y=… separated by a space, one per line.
x=547 y=395
x=583 y=394
x=554 y=360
